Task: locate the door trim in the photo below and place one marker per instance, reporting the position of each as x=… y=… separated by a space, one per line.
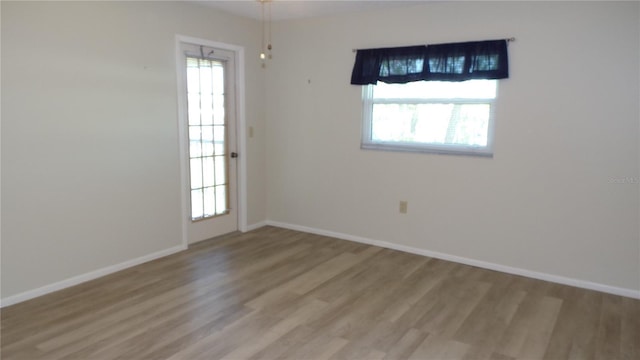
x=240 y=131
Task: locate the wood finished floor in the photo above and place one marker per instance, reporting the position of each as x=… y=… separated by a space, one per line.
x=281 y=294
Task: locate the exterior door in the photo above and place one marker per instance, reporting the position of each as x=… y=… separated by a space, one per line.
x=210 y=127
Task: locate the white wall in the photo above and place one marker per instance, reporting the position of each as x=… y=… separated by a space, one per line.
x=90 y=167
x=550 y=201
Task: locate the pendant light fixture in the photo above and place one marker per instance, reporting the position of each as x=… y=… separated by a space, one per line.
x=265 y=52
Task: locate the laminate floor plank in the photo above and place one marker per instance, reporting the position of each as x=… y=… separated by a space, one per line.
x=486 y=324
x=575 y=331
x=275 y=293
x=529 y=332
x=302 y=342
x=630 y=333
x=406 y=345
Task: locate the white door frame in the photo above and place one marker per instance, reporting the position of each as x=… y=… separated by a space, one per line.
x=240 y=131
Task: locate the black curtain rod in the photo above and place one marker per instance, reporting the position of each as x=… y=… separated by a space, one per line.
x=507 y=39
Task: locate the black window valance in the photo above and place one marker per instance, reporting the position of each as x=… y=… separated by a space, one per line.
x=442 y=62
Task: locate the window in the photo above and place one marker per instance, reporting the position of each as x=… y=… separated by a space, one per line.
x=207 y=132
x=430 y=116
x=431 y=98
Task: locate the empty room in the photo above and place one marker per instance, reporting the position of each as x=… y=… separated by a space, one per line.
x=320 y=180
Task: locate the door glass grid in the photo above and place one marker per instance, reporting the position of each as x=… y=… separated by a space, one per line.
x=207 y=134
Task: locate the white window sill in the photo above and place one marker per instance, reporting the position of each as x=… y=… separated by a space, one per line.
x=430 y=149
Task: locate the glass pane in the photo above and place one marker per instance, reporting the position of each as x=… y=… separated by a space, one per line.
x=207 y=148
x=469 y=125
x=196 y=173
x=218 y=109
x=221 y=199
x=392 y=122
x=205 y=78
x=218 y=79
x=193 y=79
x=218 y=138
x=195 y=149
x=207 y=171
x=460 y=124
x=194 y=133
x=472 y=89
x=221 y=170
x=207 y=140
x=209 y=202
x=207 y=133
x=193 y=100
x=196 y=204
x=206 y=107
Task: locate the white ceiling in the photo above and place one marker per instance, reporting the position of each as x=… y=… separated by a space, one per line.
x=296 y=9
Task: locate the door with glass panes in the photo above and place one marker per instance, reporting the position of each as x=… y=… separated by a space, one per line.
x=209 y=95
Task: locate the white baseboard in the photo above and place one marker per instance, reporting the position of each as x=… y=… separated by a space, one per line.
x=462 y=260
x=27 y=295
x=254 y=226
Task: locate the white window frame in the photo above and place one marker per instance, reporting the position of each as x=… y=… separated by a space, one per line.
x=452 y=149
